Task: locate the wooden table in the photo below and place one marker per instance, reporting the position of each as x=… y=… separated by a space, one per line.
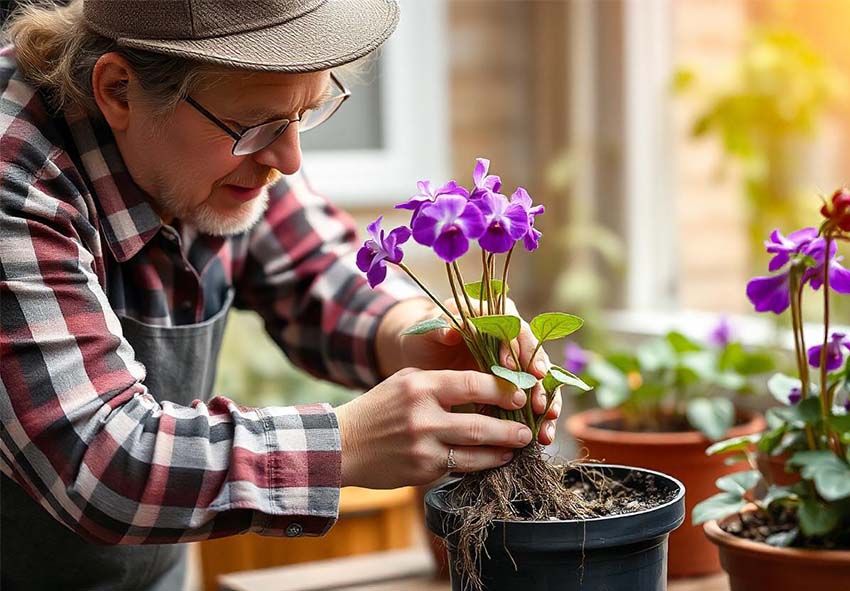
x=401 y=570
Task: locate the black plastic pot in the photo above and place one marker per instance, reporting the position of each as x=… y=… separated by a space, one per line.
x=618 y=553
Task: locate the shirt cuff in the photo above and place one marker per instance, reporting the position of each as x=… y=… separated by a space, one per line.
x=304 y=468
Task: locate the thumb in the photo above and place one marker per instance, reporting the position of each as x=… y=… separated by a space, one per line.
x=445 y=336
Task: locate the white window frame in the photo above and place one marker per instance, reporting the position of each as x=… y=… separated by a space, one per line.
x=413 y=86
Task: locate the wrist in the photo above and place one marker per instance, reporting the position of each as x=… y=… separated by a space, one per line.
x=388 y=349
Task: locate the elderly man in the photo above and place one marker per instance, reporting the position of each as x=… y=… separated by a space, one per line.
x=148 y=181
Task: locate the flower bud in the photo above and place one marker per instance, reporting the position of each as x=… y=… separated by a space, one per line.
x=838 y=209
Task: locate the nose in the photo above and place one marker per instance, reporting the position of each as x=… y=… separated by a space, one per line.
x=283 y=154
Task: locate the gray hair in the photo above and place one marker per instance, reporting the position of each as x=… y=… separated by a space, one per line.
x=56 y=52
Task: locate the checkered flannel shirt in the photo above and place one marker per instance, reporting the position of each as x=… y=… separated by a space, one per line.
x=79 y=244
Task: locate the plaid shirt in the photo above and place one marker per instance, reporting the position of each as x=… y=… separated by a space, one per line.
x=80 y=431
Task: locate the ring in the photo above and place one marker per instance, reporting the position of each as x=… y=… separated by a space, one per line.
x=451 y=464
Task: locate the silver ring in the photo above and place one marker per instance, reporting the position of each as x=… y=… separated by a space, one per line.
x=451 y=464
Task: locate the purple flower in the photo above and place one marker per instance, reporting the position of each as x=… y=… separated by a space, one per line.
x=427 y=195
x=373 y=256
x=783 y=247
x=575 y=358
x=506 y=222
x=721 y=335
x=522 y=198
x=839 y=277
x=847 y=405
x=795 y=396
x=448 y=224
x=484 y=183
x=834 y=352
x=770 y=294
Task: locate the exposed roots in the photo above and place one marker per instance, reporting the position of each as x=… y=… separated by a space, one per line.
x=528 y=488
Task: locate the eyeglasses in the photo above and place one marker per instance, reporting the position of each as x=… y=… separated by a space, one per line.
x=257 y=137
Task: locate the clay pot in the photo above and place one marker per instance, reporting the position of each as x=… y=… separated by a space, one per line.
x=679 y=454
x=754 y=566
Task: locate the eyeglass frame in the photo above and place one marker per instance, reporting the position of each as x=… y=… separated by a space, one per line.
x=286 y=122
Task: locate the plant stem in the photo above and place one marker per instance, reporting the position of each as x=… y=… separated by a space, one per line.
x=445 y=310
x=503 y=296
x=826 y=393
x=483 y=279
x=462 y=283
x=796 y=289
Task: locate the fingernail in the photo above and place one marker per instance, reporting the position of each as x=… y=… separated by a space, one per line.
x=507 y=457
x=550 y=430
x=524 y=435
x=509 y=363
x=519 y=398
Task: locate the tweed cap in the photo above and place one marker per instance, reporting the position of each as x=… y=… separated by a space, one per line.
x=267 y=35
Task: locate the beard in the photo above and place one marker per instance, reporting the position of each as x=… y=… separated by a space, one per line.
x=218 y=221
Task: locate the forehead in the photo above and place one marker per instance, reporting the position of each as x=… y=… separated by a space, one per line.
x=243 y=92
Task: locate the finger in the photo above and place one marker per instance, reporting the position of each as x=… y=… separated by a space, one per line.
x=547 y=433
x=462 y=387
x=475 y=430
x=538 y=399
x=555 y=410
x=475 y=459
x=445 y=336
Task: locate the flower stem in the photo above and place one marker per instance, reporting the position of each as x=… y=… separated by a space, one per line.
x=826 y=392
x=502 y=296
x=796 y=290
x=462 y=283
x=445 y=310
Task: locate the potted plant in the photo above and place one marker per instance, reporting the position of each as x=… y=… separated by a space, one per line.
x=563 y=527
x=794 y=535
x=660 y=404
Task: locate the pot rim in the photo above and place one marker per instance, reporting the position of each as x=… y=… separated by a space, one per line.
x=593 y=532
x=582 y=425
x=723 y=539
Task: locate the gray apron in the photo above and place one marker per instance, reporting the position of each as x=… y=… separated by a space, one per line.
x=37 y=552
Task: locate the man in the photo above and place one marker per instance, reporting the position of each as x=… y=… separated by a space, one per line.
x=143 y=146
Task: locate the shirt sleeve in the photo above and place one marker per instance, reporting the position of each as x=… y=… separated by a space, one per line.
x=83 y=436
x=300 y=275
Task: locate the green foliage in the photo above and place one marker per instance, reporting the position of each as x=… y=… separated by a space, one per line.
x=558 y=376
x=503 y=327
x=426 y=326
x=520 y=379
x=674 y=376
x=554 y=325
x=474 y=290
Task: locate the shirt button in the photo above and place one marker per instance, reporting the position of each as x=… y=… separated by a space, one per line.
x=294 y=530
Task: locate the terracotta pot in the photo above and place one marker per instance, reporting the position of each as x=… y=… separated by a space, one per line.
x=682 y=455
x=753 y=566
x=774 y=468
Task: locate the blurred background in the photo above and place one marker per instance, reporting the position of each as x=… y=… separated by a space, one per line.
x=666 y=138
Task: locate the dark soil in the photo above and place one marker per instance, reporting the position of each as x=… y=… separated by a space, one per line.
x=771 y=528
x=661 y=423
x=531 y=489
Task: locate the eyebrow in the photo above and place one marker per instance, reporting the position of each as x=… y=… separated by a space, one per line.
x=264 y=115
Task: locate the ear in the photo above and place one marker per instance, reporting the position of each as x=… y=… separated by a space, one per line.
x=110 y=81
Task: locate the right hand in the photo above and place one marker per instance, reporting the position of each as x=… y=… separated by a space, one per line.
x=399 y=433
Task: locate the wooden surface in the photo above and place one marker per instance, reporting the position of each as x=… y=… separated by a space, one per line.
x=370 y=521
x=406 y=570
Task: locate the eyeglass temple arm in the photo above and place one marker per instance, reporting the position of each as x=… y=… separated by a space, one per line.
x=213 y=118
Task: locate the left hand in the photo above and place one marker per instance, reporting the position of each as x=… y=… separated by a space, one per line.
x=445 y=349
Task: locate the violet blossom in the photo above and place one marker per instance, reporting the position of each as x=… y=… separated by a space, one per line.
x=795 y=396
x=376 y=252
x=834 y=352
x=427 y=195
x=505 y=222
x=575 y=358
x=531 y=240
x=721 y=334
x=484 y=183
x=448 y=224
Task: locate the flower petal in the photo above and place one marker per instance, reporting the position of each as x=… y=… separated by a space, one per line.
x=496 y=239
x=425 y=229
x=364 y=257
x=472 y=221
x=770 y=294
x=377 y=273
x=451 y=244
x=839 y=278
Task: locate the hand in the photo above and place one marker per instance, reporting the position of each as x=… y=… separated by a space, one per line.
x=445 y=349
x=400 y=432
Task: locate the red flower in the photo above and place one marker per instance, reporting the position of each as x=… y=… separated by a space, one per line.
x=838 y=211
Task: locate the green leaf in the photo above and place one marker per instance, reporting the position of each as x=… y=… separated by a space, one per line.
x=776 y=493
x=780 y=386
x=554 y=325
x=739 y=482
x=655 y=355
x=717 y=507
x=840 y=423
x=713 y=416
x=770 y=439
x=474 y=290
x=816 y=518
x=830 y=474
x=610 y=397
x=568 y=378
x=426 y=326
x=741 y=443
x=782 y=539
x=805 y=413
x=503 y=327
x=520 y=379
x=681 y=343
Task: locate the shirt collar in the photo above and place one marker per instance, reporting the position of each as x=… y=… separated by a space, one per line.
x=127 y=217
